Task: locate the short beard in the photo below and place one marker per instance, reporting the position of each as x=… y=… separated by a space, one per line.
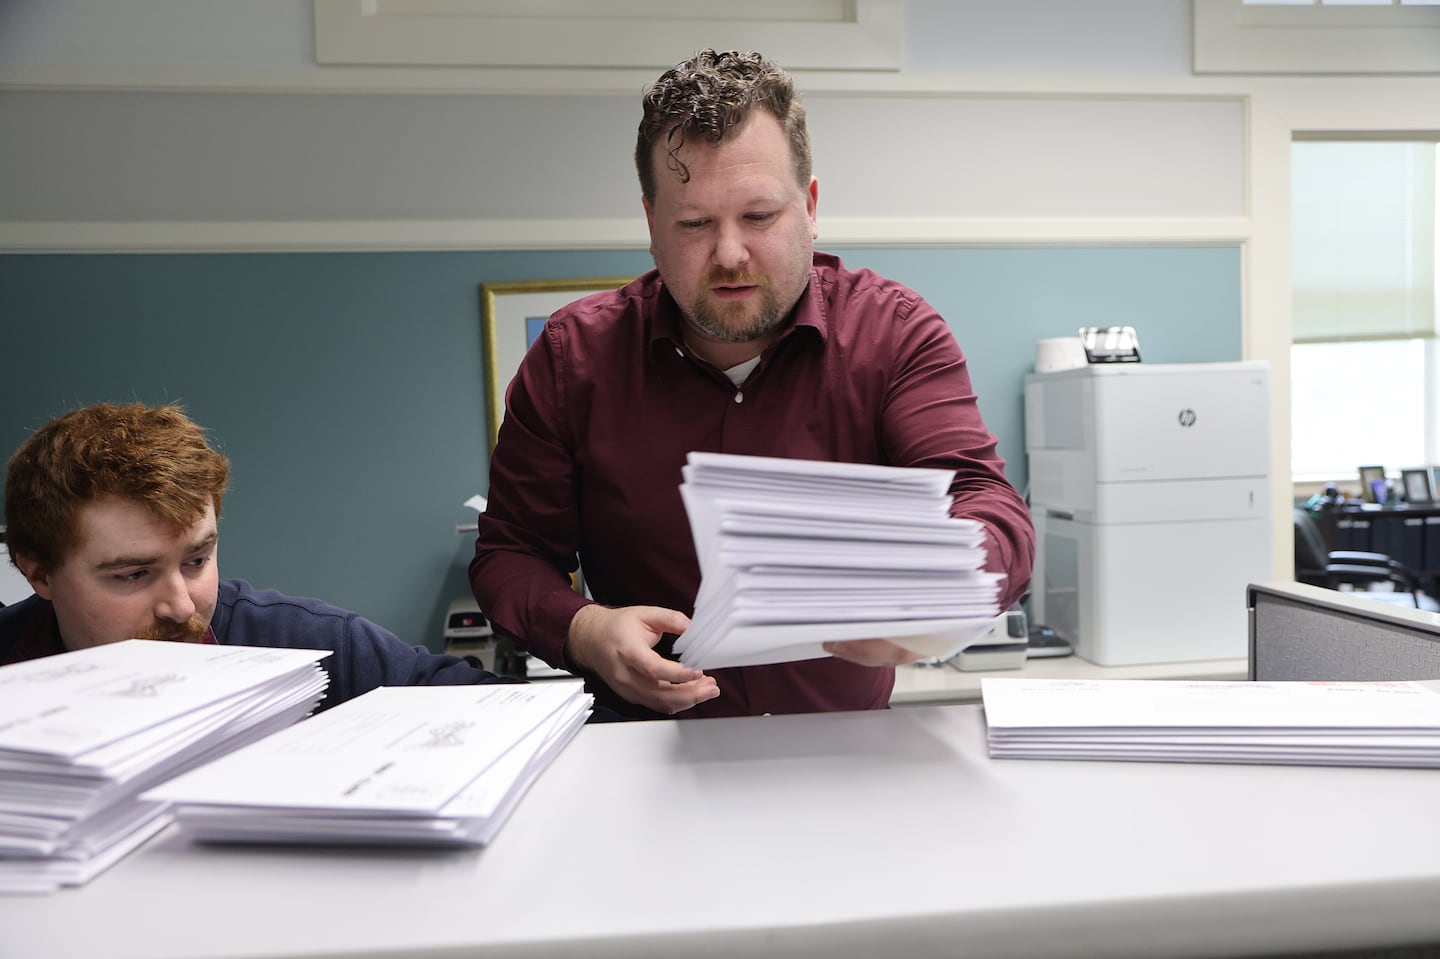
x=709 y=319
x=191 y=631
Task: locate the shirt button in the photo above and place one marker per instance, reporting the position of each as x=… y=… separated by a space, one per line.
x=739 y=397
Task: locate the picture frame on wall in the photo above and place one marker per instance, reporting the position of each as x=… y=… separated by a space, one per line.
x=1372 y=484
x=1419 y=486
x=512 y=314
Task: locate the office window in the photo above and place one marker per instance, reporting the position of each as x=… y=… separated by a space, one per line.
x=1365 y=364
x=1362 y=240
x=1359 y=403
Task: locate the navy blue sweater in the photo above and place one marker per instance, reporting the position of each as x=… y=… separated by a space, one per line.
x=363 y=655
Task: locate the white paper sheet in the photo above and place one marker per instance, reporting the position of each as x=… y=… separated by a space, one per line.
x=442 y=764
x=66 y=705
x=797 y=553
x=84 y=732
x=394 y=749
x=1372 y=724
x=77 y=865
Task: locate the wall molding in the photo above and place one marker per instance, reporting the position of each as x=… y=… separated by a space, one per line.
x=803 y=34
x=231 y=171
x=449 y=235
x=1231 y=36
x=468 y=81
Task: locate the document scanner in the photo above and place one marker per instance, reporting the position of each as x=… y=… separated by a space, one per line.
x=468 y=633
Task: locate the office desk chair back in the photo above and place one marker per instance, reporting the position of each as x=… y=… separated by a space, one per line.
x=1383 y=576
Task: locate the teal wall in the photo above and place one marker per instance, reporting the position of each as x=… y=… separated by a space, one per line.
x=347 y=388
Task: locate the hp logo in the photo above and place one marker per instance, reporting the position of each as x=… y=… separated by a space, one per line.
x=1187 y=417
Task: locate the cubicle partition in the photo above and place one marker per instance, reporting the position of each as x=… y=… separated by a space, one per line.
x=1303 y=632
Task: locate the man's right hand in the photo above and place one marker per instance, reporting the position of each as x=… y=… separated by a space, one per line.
x=618 y=645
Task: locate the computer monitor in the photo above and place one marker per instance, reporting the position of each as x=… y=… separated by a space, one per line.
x=1303 y=632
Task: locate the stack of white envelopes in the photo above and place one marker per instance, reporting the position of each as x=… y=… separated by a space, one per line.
x=411 y=765
x=1300 y=723
x=797 y=553
x=83 y=734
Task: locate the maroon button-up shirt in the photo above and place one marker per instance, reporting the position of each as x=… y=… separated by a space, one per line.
x=608 y=402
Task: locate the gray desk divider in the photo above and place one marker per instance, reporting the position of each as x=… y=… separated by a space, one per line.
x=1302 y=632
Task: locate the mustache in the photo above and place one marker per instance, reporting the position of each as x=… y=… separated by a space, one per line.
x=733 y=278
x=190 y=631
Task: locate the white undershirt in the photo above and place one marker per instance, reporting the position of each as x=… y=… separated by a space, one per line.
x=739 y=373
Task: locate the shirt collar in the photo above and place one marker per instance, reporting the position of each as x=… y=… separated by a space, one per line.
x=809 y=310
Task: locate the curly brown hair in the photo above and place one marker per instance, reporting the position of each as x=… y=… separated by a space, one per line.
x=157 y=456
x=709 y=95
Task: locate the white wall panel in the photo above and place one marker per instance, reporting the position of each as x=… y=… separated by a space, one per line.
x=312 y=158
x=96 y=156
x=1033 y=156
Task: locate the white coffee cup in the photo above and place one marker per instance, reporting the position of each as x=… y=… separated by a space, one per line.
x=1059 y=353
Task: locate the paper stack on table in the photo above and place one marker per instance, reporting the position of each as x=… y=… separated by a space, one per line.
x=1325 y=724
x=82 y=734
x=414 y=765
x=795 y=553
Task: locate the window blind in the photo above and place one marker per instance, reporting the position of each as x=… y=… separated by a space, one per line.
x=1363 y=240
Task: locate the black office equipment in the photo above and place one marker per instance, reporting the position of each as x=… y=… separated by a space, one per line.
x=1318 y=565
x=1046 y=643
x=1110 y=344
x=1408 y=533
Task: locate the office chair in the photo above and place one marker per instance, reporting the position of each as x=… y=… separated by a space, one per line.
x=1317 y=564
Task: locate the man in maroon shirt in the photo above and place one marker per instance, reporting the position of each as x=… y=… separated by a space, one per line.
x=742 y=340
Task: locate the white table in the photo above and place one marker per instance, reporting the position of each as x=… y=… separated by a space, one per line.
x=888 y=833
x=932 y=685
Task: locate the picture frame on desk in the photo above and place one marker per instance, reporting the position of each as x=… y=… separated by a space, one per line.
x=1419 y=486
x=512 y=313
x=1369 y=477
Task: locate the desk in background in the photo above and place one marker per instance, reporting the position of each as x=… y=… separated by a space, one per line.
x=931 y=685
x=1410 y=534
